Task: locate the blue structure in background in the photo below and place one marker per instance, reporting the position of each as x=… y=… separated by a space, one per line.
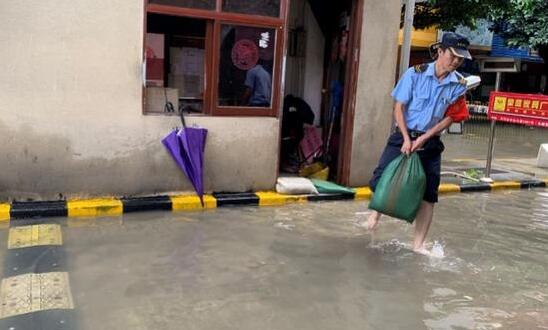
x=499 y=49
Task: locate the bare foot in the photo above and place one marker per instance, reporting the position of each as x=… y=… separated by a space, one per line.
x=373 y=221
x=422 y=250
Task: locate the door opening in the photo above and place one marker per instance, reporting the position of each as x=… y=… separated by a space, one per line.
x=320 y=86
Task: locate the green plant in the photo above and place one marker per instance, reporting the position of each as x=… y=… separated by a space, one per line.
x=474 y=173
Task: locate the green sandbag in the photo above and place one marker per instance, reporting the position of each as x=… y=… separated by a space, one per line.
x=400 y=189
x=326 y=187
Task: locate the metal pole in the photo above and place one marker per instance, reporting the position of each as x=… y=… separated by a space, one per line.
x=492 y=135
x=407 y=27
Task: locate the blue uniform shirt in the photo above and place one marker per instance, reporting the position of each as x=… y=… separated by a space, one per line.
x=426 y=98
x=260 y=82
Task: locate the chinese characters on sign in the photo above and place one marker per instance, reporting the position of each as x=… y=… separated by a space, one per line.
x=524 y=109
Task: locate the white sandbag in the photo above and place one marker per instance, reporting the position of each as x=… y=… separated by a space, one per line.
x=295 y=186
x=542 y=158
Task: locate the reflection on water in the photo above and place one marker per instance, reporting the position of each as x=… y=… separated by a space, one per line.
x=314 y=266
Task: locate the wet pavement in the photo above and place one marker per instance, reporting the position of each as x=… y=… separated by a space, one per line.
x=310 y=266
x=515 y=152
x=511 y=141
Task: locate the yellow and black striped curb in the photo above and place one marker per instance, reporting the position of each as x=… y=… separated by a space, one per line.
x=35 y=289
x=118 y=206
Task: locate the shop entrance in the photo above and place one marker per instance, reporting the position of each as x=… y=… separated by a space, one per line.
x=320 y=86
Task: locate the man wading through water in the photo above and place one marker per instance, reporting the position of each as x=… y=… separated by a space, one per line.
x=422 y=97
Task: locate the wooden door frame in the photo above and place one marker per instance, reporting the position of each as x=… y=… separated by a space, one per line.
x=349 y=99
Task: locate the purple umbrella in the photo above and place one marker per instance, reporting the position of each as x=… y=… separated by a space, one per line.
x=187 y=146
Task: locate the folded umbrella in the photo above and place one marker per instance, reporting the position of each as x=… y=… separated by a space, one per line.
x=187 y=147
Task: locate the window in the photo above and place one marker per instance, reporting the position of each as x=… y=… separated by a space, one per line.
x=175 y=58
x=199 y=4
x=253 y=7
x=246 y=66
x=216 y=57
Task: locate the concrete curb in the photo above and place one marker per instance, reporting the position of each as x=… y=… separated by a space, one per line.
x=118 y=206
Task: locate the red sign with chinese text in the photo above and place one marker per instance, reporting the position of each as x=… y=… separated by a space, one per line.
x=525 y=109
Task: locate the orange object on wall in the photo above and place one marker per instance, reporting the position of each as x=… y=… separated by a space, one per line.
x=154 y=54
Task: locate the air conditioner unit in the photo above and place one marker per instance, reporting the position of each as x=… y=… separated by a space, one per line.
x=500 y=64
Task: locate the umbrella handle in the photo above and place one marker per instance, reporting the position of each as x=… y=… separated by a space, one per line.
x=182 y=118
x=168 y=106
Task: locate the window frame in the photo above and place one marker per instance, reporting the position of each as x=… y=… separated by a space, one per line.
x=223 y=110
x=214 y=20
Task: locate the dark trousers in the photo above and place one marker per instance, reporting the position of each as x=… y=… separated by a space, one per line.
x=430 y=157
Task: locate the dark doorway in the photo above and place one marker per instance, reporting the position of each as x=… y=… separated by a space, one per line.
x=327 y=86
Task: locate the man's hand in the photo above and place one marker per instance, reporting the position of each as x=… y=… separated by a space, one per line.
x=418 y=143
x=406 y=147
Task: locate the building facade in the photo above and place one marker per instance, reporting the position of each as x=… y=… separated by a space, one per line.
x=84 y=85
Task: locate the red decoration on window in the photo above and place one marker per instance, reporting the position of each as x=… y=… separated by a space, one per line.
x=245 y=54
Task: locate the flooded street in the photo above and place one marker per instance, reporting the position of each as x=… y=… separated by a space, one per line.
x=511 y=141
x=313 y=266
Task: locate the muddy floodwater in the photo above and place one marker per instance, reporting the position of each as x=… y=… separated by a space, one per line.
x=312 y=266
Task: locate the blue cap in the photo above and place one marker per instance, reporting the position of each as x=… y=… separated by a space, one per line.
x=458 y=44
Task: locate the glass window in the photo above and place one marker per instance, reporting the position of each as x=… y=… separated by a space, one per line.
x=198 y=4
x=175 y=58
x=246 y=64
x=255 y=7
